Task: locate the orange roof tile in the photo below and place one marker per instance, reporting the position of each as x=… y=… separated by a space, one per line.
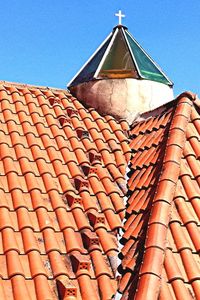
x=160 y=254
x=62 y=184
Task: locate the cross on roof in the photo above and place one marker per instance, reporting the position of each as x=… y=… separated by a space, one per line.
x=120 y=15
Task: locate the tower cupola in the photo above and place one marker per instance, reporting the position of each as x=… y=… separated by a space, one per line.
x=120 y=78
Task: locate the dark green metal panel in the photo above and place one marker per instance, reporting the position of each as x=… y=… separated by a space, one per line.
x=146 y=65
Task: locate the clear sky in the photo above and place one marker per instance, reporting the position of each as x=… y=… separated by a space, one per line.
x=45 y=42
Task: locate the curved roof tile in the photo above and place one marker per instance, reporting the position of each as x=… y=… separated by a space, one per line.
x=62 y=184
x=160 y=256
x=62 y=188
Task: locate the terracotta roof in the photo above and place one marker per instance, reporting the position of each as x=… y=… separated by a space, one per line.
x=62 y=185
x=161 y=241
x=61 y=195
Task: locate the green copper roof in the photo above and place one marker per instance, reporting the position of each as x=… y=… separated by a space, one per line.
x=120 y=56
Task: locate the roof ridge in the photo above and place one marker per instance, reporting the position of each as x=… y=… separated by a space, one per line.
x=26 y=85
x=187 y=94
x=156 y=239
x=160 y=109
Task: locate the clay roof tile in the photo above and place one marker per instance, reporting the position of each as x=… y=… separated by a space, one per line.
x=165 y=237
x=50 y=235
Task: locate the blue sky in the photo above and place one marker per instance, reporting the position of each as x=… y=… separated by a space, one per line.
x=46 y=42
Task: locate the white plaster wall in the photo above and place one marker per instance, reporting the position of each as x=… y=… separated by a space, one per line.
x=123 y=98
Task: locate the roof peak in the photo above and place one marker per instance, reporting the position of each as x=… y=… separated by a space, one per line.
x=119 y=27
x=120 y=56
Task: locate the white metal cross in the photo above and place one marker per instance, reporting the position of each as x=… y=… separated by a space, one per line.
x=120 y=15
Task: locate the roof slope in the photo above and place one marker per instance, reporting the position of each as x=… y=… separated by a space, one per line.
x=160 y=256
x=61 y=195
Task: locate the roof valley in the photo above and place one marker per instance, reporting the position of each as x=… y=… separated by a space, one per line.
x=140 y=247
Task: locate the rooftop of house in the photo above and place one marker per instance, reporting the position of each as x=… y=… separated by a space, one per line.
x=64 y=199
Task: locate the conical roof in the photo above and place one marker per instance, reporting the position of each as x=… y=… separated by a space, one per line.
x=120 y=56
